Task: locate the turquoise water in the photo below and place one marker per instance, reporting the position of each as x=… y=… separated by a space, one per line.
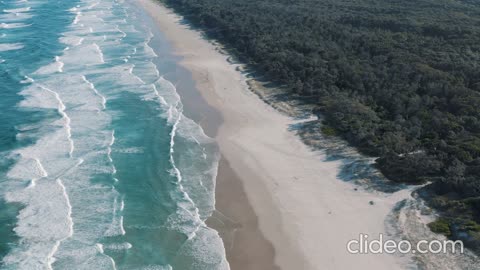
x=99 y=167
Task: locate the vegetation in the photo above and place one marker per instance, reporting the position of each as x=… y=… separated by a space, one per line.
x=328 y=131
x=440 y=226
x=400 y=80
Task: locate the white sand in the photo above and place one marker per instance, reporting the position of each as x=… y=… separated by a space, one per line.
x=303 y=209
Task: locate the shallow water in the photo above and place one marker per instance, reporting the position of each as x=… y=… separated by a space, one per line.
x=100 y=168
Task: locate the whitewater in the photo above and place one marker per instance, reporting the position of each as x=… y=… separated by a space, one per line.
x=100 y=167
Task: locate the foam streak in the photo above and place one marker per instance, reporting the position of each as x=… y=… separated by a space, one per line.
x=61 y=110
x=51 y=259
x=178 y=175
x=92 y=86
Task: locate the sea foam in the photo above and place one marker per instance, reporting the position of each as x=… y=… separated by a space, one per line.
x=10 y=47
x=71 y=164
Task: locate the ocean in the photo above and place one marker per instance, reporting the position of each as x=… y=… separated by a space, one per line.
x=99 y=166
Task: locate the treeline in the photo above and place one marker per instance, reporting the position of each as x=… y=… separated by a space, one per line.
x=399 y=79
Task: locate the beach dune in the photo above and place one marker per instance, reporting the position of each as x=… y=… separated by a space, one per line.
x=304 y=213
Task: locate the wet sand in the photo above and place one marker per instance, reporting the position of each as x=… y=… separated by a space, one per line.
x=245 y=245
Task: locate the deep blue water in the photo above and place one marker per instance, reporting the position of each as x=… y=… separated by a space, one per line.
x=99 y=167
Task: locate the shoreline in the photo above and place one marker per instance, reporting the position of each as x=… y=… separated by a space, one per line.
x=305 y=214
x=245 y=245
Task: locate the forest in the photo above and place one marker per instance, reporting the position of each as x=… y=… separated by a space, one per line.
x=399 y=80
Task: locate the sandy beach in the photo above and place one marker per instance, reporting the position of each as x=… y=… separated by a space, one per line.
x=287 y=208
